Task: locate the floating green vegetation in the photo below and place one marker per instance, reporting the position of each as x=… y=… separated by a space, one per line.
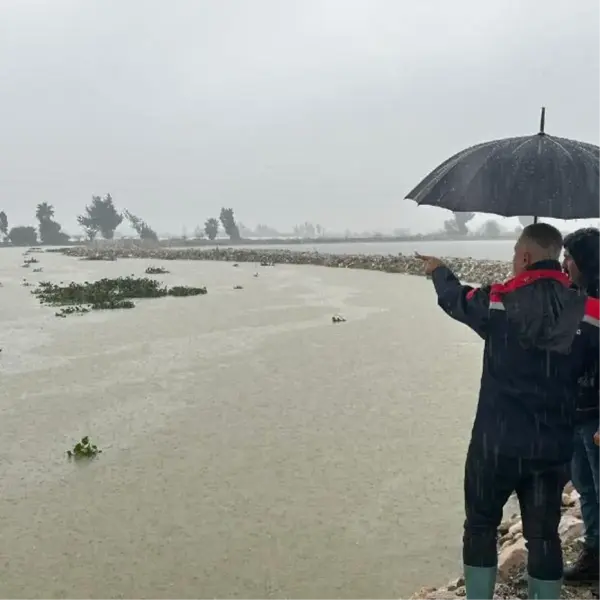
x=105 y=294
x=156 y=271
x=84 y=449
x=100 y=256
x=182 y=290
x=72 y=310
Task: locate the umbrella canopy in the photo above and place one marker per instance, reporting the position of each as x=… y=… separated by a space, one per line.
x=539 y=175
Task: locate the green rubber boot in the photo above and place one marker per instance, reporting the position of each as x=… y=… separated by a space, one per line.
x=540 y=589
x=480 y=582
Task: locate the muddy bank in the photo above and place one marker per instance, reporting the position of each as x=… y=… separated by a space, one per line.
x=512 y=558
x=467 y=269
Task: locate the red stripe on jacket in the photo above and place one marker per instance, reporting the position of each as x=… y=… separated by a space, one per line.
x=592 y=308
x=498 y=290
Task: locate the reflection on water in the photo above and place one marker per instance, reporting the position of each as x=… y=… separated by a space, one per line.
x=251 y=447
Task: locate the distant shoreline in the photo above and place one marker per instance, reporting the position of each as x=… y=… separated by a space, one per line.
x=467 y=269
x=327 y=240
x=203 y=242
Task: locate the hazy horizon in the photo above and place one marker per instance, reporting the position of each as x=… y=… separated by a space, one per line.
x=328 y=112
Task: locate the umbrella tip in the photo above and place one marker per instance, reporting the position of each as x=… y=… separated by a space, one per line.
x=543 y=120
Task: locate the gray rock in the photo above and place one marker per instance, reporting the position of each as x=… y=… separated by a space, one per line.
x=467 y=269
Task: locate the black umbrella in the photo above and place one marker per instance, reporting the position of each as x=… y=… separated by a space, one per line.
x=539 y=175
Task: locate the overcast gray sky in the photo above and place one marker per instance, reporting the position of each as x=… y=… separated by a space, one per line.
x=320 y=110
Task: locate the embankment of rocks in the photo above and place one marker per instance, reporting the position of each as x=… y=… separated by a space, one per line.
x=467 y=269
x=512 y=558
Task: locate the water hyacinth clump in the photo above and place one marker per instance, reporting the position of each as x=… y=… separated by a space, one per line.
x=156 y=271
x=107 y=293
x=182 y=290
x=97 y=256
x=84 y=449
x=72 y=310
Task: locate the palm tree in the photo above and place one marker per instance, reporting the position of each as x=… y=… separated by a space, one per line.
x=44 y=211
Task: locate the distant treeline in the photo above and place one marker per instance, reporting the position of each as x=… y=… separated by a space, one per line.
x=101 y=219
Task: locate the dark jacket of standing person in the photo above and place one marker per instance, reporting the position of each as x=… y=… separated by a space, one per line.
x=582 y=262
x=583 y=248
x=538 y=334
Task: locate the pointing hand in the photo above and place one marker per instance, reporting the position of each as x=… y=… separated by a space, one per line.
x=430 y=263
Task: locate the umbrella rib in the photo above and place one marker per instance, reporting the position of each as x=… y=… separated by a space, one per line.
x=483 y=165
x=585 y=148
x=459 y=159
x=447 y=169
x=442 y=171
x=559 y=145
x=524 y=143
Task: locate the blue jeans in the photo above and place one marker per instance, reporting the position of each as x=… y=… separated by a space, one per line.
x=584 y=474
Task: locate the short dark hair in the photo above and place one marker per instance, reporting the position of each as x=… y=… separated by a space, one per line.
x=584 y=247
x=584 y=233
x=545 y=236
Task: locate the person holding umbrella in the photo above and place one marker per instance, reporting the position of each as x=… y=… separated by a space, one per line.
x=582 y=263
x=537 y=332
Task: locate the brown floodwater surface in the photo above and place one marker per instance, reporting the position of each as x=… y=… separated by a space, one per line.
x=251 y=447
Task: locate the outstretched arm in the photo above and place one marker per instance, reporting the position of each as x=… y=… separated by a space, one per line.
x=463 y=303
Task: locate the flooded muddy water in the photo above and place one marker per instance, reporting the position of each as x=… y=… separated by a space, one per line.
x=251 y=447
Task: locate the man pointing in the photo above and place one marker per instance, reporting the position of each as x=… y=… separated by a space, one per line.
x=537 y=331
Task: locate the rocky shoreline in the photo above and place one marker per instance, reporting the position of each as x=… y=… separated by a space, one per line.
x=512 y=558
x=467 y=269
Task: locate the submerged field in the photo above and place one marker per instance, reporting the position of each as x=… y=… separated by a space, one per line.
x=251 y=447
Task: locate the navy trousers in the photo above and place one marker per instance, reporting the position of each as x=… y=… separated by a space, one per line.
x=490 y=479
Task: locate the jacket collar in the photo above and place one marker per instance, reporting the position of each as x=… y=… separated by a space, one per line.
x=543 y=269
x=545 y=265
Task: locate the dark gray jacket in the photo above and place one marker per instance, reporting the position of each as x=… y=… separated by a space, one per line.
x=538 y=332
x=584 y=247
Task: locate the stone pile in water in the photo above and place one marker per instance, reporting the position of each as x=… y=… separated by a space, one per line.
x=467 y=269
